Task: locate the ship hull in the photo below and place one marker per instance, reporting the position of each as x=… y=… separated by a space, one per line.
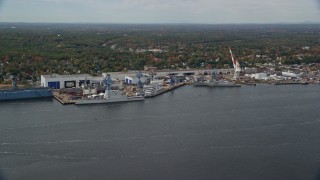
x=291 y=83
x=106 y=101
x=199 y=84
x=20 y=94
x=224 y=85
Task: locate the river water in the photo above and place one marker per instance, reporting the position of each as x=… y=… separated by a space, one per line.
x=253 y=132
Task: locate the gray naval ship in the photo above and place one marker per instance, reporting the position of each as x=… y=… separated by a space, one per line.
x=215 y=82
x=110 y=96
x=26 y=93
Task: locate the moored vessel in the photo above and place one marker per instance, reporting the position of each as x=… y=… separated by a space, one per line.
x=153 y=89
x=110 y=96
x=28 y=93
x=18 y=94
x=215 y=82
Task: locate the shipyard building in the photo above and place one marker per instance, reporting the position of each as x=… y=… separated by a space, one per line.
x=56 y=81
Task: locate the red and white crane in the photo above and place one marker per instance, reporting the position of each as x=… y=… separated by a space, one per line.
x=236 y=66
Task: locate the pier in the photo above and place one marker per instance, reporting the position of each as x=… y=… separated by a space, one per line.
x=167 y=89
x=63 y=98
x=66 y=99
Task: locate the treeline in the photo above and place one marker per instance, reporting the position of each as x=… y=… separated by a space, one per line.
x=29 y=50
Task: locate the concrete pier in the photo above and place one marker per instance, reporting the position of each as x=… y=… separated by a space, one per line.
x=166 y=90
x=63 y=98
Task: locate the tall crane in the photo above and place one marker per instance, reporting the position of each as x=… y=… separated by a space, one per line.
x=236 y=66
x=14 y=81
x=139 y=76
x=214 y=76
x=107 y=82
x=173 y=80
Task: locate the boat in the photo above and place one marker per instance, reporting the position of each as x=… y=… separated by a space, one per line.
x=219 y=83
x=153 y=89
x=200 y=83
x=290 y=83
x=222 y=83
x=30 y=93
x=215 y=82
x=110 y=96
x=250 y=84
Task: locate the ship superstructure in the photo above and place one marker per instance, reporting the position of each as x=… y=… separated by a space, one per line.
x=110 y=96
x=216 y=82
x=154 y=88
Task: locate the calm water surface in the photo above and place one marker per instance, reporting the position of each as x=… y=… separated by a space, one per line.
x=263 y=132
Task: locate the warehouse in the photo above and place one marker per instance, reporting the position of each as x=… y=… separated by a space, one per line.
x=134 y=80
x=56 y=81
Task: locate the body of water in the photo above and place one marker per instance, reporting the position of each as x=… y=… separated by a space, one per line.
x=263 y=132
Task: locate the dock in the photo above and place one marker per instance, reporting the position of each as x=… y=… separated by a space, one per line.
x=66 y=99
x=63 y=98
x=166 y=90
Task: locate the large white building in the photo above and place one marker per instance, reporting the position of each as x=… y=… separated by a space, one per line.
x=56 y=81
x=260 y=76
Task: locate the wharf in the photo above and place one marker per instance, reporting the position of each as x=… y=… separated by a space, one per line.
x=166 y=90
x=67 y=99
x=63 y=98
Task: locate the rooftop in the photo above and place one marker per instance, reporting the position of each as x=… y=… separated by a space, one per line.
x=65 y=76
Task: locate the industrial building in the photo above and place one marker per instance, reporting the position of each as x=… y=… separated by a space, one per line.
x=134 y=79
x=56 y=81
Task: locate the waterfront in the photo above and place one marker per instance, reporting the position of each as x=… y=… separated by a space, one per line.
x=252 y=132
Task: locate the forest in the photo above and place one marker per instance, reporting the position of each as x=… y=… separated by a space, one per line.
x=30 y=50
